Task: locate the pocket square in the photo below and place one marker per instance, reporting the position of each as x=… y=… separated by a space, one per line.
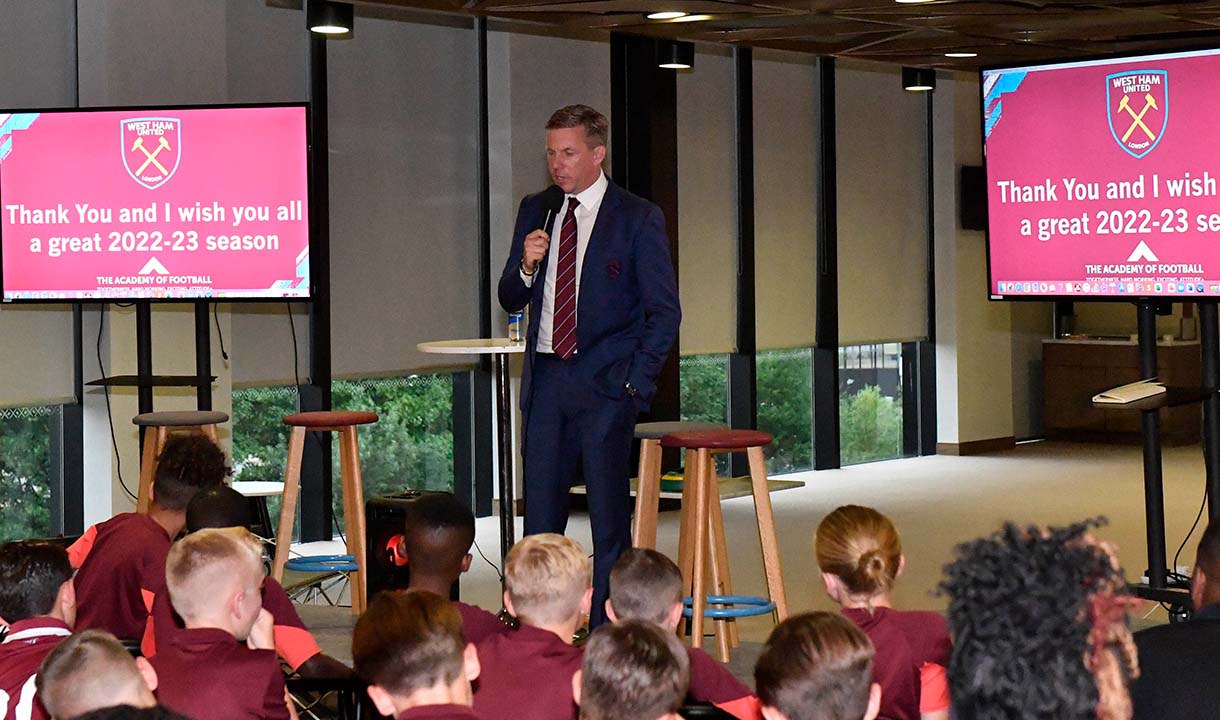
x=614 y=268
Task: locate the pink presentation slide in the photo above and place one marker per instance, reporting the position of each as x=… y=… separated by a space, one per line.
x=1102 y=177
x=189 y=203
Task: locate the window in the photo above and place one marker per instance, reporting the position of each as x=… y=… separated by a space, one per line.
x=785 y=408
x=704 y=381
x=870 y=402
x=411 y=446
x=260 y=438
x=27 y=472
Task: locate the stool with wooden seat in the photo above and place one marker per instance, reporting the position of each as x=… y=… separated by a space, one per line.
x=648 y=476
x=702 y=546
x=344 y=423
x=157 y=427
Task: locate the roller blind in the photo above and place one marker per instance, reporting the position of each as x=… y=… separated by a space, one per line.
x=785 y=203
x=883 y=191
x=707 y=204
x=403 y=214
x=37 y=71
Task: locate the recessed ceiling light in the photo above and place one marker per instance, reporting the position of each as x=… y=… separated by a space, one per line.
x=693 y=18
x=961 y=54
x=667 y=15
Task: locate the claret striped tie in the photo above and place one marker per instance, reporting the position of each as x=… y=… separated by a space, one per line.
x=564 y=318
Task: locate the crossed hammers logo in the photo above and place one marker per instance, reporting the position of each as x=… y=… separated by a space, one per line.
x=162 y=144
x=1138 y=118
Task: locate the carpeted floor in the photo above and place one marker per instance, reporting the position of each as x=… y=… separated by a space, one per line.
x=936 y=503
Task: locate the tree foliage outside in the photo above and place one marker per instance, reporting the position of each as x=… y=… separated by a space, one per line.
x=870 y=426
x=410 y=447
x=25 y=472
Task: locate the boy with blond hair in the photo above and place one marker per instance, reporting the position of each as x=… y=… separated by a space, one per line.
x=91 y=670
x=222 y=666
x=548 y=587
x=408 y=646
x=646 y=585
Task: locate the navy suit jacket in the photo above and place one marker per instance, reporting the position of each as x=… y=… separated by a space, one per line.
x=627 y=311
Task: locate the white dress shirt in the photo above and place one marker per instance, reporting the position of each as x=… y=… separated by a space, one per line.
x=586 y=215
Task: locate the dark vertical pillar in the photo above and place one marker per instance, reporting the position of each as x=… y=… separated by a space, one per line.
x=203 y=357
x=144 y=362
x=72 y=456
x=926 y=351
x=463 y=435
x=743 y=368
x=481 y=390
x=1154 y=491
x=826 y=346
x=644 y=159
x=316 y=491
x=1209 y=347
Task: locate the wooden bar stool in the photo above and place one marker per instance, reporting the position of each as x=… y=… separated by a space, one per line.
x=706 y=549
x=344 y=423
x=648 y=480
x=157 y=427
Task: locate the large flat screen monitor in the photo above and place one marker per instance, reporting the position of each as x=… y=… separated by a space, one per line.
x=1102 y=178
x=154 y=203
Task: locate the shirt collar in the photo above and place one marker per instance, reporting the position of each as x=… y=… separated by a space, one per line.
x=591 y=197
x=37 y=627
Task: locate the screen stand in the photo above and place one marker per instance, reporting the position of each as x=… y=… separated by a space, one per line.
x=1209 y=348
x=1154 y=491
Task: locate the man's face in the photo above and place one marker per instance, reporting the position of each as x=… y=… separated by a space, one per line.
x=573 y=164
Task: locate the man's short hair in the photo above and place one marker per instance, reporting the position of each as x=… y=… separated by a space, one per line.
x=408 y=641
x=202 y=563
x=88 y=671
x=1033 y=611
x=31 y=573
x=127 y=712
x=187 y=463
x=217 y=507
x=546 y=576
x=597 y=127
x=633 y=670
x=644 y=585
x=816 y=666
x=438 y=534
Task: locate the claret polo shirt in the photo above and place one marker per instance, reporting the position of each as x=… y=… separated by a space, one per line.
x=293 y=642
x=438 y=712
x=26 y=644
x=121 y=574
x=478 y=624
x=206 y=674
x=526 y=674
x=913 y=649
x=712 y=682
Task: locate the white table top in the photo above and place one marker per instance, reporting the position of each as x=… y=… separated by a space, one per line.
x=258 y=488
x=476 y=346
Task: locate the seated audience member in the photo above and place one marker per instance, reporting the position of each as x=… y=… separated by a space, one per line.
x=127 y=712
x=548 y=581
x=39 y=603
x=221 y=507
x=817 y=666
x=436 y=542
x=1039 y=621
x=860 y=555
x=222 y=665
x=122 y=560
x=646 y=585
x=1179 y=662
x=91 y=670
x=408 y=646
x=632 y=670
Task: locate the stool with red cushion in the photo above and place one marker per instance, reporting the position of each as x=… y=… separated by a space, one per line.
x=702 y=547
x=344 y=423
x=648 y=480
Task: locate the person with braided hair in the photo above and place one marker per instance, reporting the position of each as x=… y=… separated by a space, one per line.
x=860 y=555
x=1039 y=623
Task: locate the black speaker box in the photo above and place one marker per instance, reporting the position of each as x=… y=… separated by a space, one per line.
x=385 y=520
x=973 y=198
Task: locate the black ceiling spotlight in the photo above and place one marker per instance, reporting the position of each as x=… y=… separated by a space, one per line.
x=918 y=79
x=329 y=18
x=675 y=54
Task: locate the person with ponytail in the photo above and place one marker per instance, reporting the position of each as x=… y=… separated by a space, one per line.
x=860 y=555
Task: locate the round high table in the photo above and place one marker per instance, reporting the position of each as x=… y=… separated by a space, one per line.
x=499 y=349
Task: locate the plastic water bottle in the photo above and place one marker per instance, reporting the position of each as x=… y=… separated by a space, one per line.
x=516 y=327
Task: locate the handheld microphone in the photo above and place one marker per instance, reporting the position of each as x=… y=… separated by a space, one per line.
x=552 y=200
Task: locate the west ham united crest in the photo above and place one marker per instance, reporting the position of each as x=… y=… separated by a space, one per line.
x=1138 y=102
x=151 y=149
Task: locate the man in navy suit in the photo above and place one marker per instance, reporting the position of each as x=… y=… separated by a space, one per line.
x=597 y=276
